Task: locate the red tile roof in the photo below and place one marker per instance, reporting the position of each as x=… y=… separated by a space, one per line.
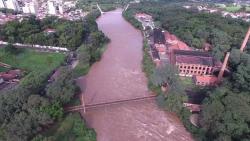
x=49 y=30
x=7 y=77
x=193 y=57
x=169 y=36
x=175 y=43
x=143 y=15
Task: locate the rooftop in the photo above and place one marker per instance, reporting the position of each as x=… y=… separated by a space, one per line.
x=193 y=57
x=159 y=37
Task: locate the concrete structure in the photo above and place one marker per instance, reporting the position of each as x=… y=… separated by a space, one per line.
x=52 y=7
x=2 y=4
x=244 y=43
x=12 y=4
x=223 y=67
x=146 y=20
x=190 y=63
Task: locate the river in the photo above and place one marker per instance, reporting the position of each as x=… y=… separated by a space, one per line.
x=119 y=76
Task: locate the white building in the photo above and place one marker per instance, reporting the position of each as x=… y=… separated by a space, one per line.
x=33 y=8
x=26 y=9
x=61 y=9
x=52 y=7
x=2 y=4
x=12 y=4
x=70 y=4
x=30 y=7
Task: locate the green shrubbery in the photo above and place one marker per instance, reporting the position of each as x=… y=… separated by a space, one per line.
x=71 y=128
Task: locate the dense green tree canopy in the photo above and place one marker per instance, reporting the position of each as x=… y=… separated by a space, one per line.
x=69 y=34
x=226 y=115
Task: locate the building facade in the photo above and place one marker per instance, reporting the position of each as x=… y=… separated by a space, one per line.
x=206 y=80
x=190 y=63
x=52 y=7
x=30 y=7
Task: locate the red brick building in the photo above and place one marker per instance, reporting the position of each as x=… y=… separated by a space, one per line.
x=191 y=63
x=205 y=80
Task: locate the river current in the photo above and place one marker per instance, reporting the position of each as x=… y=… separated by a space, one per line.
x=118 y=75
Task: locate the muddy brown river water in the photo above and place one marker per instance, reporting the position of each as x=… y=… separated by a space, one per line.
x=119 y=76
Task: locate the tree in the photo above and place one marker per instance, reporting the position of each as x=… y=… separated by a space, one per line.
x=225 y=115
x=12 y=49
x=63 y=88
x=240 y=63
x=167 y=76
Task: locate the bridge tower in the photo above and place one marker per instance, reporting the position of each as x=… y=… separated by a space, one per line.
x=99 y=8
x=126 y=7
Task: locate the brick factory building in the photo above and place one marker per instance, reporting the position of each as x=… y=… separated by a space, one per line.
x=190 y=63
x=205 y=80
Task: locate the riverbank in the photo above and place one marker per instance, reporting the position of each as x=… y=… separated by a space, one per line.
x=40 y=96
x=170 y=102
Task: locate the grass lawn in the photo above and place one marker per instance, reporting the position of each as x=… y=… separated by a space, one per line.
x=233 y=8
x=71 y=128
x=187 y=82
x=30 y=60
x=247 y=8
x=2 y=69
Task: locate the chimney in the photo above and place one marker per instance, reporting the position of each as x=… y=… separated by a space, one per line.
x=243 y=46
x=224 y=65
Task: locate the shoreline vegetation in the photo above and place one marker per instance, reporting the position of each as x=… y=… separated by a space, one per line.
x=29 y=110
x=221 y=109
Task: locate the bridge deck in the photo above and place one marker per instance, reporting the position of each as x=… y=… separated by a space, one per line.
x=110 y=103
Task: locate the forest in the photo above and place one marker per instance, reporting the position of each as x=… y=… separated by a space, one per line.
x=225 y=112
x=35 y=105
x=69 y=34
